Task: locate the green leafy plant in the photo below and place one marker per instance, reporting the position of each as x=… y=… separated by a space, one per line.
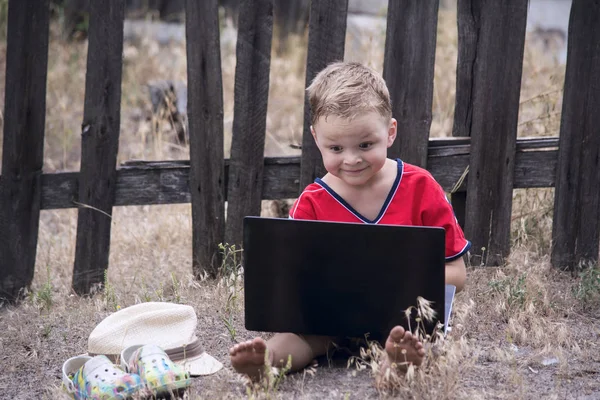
x=43 y=298
x=46 y=331
x=271 y=381
x=513 y=288
x=587 y=289
x=176 y=287
x=160 y=293
x=228 y=321
x=146 y=297
x=230 y=273
x=109 y=294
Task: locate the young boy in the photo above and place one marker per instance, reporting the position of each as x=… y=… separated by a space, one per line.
x=352 y=125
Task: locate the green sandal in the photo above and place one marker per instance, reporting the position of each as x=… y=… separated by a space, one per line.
x=160 y=375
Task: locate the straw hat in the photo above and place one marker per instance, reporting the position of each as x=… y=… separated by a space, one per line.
x=170 y=326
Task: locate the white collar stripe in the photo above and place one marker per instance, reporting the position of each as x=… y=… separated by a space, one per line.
x=389 y=200
x=385 y=206
x=336 y=198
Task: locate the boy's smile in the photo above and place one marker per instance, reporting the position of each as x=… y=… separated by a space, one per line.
x=354 y=150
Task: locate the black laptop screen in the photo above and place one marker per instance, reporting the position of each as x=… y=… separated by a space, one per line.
x=340 y=279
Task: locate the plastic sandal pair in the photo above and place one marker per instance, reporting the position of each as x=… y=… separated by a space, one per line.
x=145 y=372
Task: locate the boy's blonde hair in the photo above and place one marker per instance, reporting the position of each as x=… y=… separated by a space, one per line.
x=348 y=89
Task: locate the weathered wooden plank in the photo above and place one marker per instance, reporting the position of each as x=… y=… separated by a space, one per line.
x=496 y=87
x=99 y=143
x=523 y=143
x=533 y=169
x=576 y=224
x=205 y=108
x=23 y=146
x=253 y=62
x=408 y=69
x=143 y=183
x=468 y=24
x=59 y=190
x=326 y=41
x=463 y=111
x=462 y=145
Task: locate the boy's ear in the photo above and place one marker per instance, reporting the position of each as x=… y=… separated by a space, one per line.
x=392 y=131
x=314 y=135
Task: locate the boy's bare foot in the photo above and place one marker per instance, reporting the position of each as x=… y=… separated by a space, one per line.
x=403 y=347
x=248 y=357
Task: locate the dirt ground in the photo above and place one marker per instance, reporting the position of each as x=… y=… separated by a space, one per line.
x=519 y=332
x=34 y=347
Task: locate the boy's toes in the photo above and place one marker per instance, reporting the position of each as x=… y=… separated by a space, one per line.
x=258 y=345
x=248 y=357
x=402 y=346
x=397 y=333
x=240 y=347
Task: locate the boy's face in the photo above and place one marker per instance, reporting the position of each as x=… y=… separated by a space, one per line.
x=354 y=151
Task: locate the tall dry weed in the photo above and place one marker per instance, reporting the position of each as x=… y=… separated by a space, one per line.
x=446 y=359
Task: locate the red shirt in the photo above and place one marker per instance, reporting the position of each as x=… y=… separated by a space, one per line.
x=415 y=199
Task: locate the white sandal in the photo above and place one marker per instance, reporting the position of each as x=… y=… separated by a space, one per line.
x=86 y=377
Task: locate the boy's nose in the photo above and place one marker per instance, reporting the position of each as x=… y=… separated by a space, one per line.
x=352 y=159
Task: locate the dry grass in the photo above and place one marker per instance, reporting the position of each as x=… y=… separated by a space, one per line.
x=520 y=331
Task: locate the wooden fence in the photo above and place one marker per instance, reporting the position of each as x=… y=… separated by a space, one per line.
x=491 y=43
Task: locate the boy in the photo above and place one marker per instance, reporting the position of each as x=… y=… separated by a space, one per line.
x=352 y=125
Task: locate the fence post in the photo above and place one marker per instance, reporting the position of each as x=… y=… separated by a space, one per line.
x=23 y=147
x=99 y=143
x=408 y=70
x=326 y=41
x=496 y=86
x=253 y=61
x=576 y=224
x=205 y=108
x=463 y=111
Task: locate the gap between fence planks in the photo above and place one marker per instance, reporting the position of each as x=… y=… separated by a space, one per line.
x=22 y=157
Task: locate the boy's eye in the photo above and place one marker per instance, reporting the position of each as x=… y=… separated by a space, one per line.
x=365 y=145
x=335 y=148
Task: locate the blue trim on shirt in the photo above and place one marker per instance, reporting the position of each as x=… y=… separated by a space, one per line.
x=463 y=252
x=388 y=199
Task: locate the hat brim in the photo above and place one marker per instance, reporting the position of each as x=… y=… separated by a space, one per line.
x=204 y=364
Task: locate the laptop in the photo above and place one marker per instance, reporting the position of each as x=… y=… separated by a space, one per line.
x=340 y=279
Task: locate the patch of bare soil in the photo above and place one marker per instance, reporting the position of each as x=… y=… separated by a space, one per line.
x=519 y=331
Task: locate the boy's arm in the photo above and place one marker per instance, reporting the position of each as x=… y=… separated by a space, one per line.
x=456 y=273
